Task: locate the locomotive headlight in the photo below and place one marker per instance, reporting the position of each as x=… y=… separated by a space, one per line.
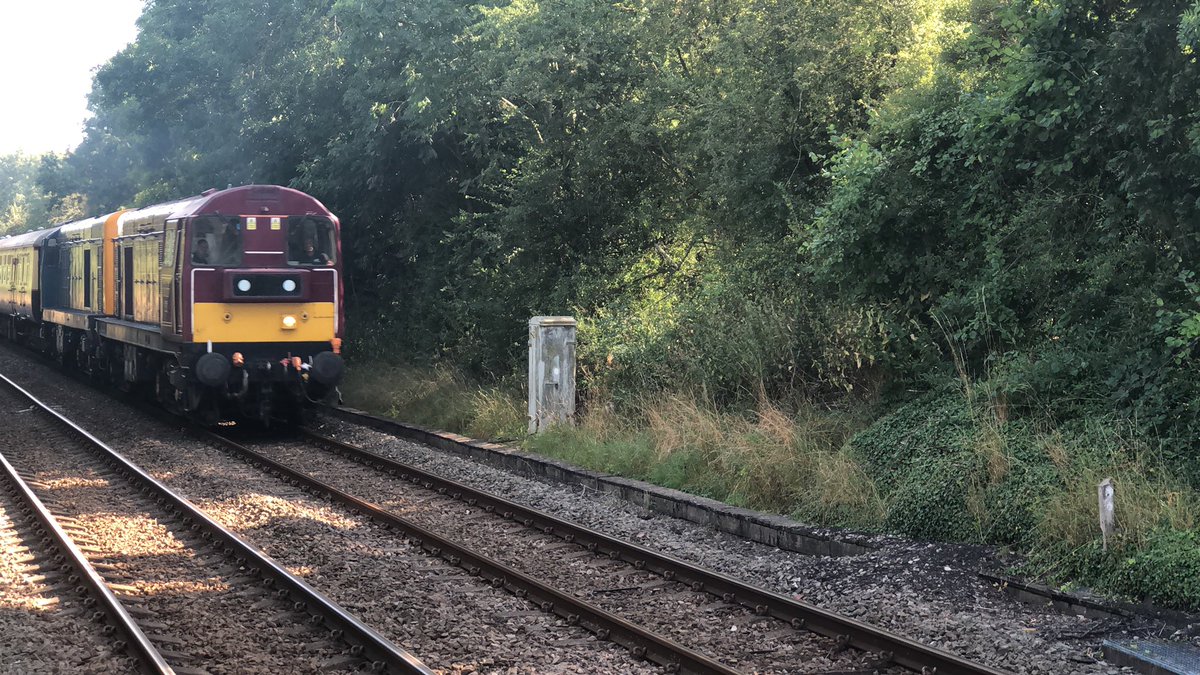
x=289 y=322
x=244 y=285
x=289 y=285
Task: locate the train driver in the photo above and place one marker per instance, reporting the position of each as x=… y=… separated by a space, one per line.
x=312 y=256
x=200 y=253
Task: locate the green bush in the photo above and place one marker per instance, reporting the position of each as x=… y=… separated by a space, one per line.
x=747 y=328
x=930 y=500
x=1165 y=570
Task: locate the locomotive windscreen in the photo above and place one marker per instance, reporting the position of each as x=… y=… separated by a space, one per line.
x=217 y=241
x=311 y=241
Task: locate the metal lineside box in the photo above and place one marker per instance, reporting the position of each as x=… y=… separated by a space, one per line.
x=551 y=372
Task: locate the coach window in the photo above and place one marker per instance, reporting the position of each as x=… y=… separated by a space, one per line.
x=216 y=241
x=311 y=241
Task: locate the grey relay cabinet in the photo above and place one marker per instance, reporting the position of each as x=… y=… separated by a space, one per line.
x=551 y=371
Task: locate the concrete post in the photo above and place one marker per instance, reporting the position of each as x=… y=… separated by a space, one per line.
x=1106 y=492
x=551 y=372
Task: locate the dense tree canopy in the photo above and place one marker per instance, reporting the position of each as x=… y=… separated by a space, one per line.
x=743 y=195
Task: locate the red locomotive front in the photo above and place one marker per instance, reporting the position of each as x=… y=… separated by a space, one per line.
x=236 y=296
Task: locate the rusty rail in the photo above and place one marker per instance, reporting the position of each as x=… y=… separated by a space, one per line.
x=641 y=642
x=135 y=641
x=900 y=650
x=385 y=655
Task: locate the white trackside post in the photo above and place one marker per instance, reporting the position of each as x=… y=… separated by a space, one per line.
x=551 y=372
x=1106 y=492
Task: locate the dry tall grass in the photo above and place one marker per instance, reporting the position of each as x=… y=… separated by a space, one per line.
x=436 y=397
x=799 y=460
x=792 y=461
x=1146 y=498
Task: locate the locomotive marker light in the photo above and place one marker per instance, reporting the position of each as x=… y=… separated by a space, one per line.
x=289 y=322
x=244 y=285
x=288 y=286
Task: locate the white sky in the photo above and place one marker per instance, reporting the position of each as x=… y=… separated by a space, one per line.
x=48 y=52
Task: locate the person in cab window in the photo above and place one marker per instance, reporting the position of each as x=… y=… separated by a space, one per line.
x=231 y=246
x=200 y=253
x=311 y=256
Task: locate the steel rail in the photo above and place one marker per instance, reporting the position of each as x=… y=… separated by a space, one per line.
x=136 y=642
x=605 y=625
x=363 y=638
x=900 y=650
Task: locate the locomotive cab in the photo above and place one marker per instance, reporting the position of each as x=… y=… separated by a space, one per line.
x=260 y=317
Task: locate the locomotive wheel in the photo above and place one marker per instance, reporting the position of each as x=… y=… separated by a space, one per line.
x=264 y=408
x=202 y=406
x=167 y=395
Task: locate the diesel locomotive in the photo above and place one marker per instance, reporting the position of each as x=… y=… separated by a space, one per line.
x=226 y=305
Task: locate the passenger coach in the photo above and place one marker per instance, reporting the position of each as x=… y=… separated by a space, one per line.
x=228 y=304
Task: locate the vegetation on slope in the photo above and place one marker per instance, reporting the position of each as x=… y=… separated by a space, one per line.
x=947 y=466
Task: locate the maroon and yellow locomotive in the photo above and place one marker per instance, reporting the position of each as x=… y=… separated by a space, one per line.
x=227 y=304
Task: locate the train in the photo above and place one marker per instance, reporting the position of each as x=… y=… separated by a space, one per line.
x=223 y=306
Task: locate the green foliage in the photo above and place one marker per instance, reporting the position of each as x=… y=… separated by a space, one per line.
x=1008 y=217
x=594 y=152
x=1165 y=570
x=742 y=201
x=17 y=174
x=212 y=92
x=931 y=501
x=22 y=202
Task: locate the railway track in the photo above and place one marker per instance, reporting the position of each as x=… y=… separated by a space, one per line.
x=457 y=622
x=40 y=583
x=558 y=564
x=179 y=592
x=660 y=609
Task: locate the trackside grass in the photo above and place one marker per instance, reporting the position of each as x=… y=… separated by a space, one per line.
x=440 y=398
x=951 y=465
